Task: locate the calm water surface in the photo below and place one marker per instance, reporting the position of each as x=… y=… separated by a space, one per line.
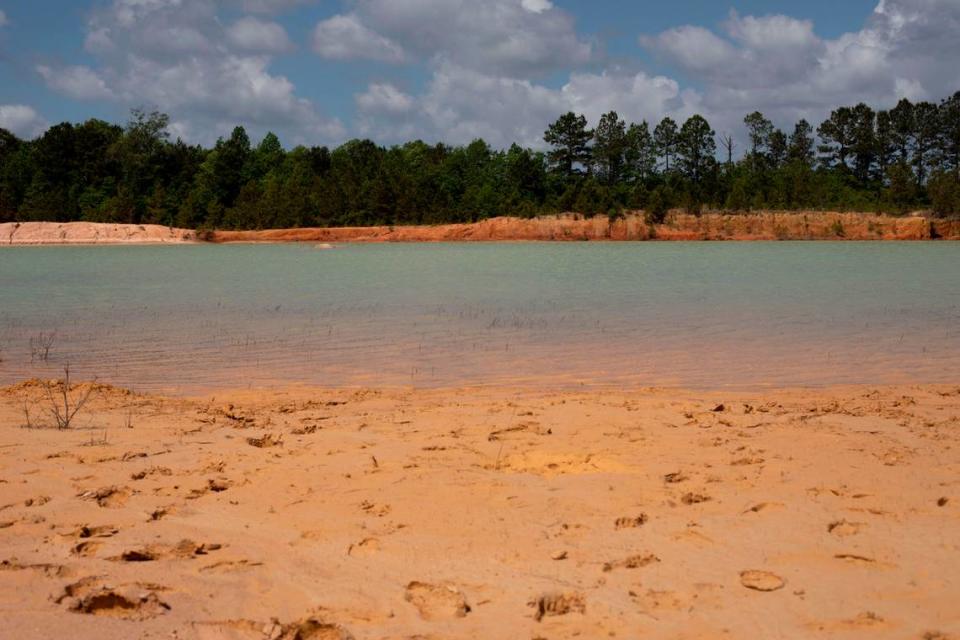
x=192 y=318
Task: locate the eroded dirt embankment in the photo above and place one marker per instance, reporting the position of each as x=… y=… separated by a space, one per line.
x=679 y=226
x=566 y=227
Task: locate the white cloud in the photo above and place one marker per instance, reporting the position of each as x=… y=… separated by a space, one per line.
x=536 y=6
x=177 y=56
x=384 y=98
x=461 y=104
x=4 y=21
x=80 y=82
x=772 y=33
x=515 y=38
x=253 y=34
x=22 y=120
x=777 y=64
x=693 y=48
x=344 y=37
x=268 y=6
x=495 y=67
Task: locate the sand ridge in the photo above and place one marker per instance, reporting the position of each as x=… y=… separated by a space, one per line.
x=493 y=513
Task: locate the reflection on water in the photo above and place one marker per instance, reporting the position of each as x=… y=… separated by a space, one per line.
x=190 y=318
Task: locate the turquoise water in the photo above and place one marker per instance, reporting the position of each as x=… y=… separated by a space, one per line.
x=193 y=318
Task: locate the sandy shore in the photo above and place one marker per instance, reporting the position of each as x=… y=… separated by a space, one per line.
x=566 y=227
x=42 y=233
x=483 y=514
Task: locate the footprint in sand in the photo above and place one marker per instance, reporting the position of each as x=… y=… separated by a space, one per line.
x=761 y=580
x=633 y=562
x=314 y=629
x=266 y=441
x=763 y=506
x=435 y=602
x=309 y=629
x=366 y=547
x=215 y=485
x=558 y=604
x=185 y=549
x=85 y=549
x=630 y=522
x=86 y=531
x=110 y=497
x=864 y=621
x=843 y=529
x=132 y=602
x=49 y=570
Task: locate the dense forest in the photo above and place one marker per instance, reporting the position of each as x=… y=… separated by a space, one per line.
x=892 y=161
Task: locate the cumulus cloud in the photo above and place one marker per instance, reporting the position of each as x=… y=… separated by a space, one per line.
x=267 y=6
x=384 y=98
x=82 y=83
x=778 y=64
x=345 y=37
x=22 y=120
x=178 y=56
x=461 y=104
x=498 y=69
x=514 y=38
x=536 y=6
x=253 y=34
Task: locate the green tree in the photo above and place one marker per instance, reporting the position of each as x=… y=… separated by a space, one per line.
x=949 y=141
x=778 y=147
x=610 y=147
x=925 y=135
x=902 y=126
x=901 y=191
x=759 y=130
x=665 y=137
x=864 y=142
x=885 y=138
x=837 y=134
x=696 y=152
x=801 y=145
x=944 y=188
x=570 y=140
x=640 y=157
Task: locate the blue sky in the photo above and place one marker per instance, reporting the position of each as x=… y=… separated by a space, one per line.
x=322 y=71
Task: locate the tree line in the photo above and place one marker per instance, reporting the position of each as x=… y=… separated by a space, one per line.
x=858 y=159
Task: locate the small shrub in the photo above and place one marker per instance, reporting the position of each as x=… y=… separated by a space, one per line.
x=944 y=190
x=657 y=207
x=64 y=408
x=40 y=345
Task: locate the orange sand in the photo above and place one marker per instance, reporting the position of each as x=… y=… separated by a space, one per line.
x=483 y=514
x=679 y=226
x=566 y=227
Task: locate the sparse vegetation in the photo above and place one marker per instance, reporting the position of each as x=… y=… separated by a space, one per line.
x=40 y=346
x=62 y=403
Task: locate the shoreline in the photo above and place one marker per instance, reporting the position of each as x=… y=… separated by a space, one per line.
x=761 y=226
x=651 y=512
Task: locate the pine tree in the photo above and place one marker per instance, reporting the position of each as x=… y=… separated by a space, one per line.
x=665 y=136
x=610 y=145
x=570 y=140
